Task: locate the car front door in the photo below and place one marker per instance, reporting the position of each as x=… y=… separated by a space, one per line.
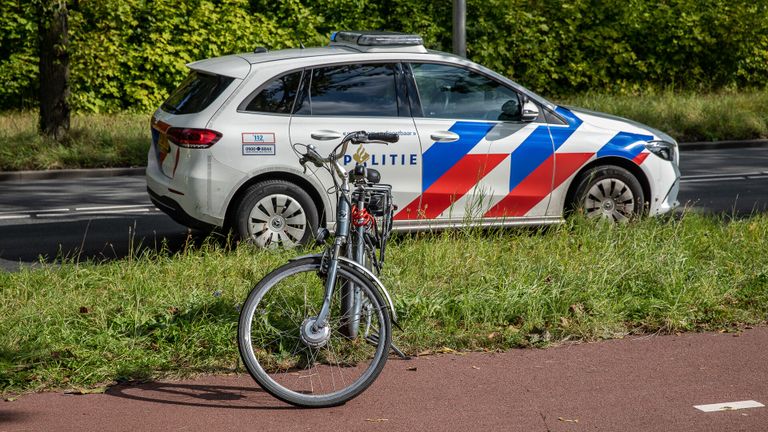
x=471 y=131
x=370 y=97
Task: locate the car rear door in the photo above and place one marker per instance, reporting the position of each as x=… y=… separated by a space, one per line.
x=187 y=107
x=470 y=129
x=366 y=96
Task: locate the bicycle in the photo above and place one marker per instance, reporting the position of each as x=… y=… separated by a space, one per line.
x=316 y=331
x=369 y=201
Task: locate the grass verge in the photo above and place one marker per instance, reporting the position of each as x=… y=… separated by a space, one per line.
x=119 y=140
x=688 y=117
x=162 y=315
x=96 y=141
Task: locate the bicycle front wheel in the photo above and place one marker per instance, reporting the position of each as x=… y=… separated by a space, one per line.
x=298 y=363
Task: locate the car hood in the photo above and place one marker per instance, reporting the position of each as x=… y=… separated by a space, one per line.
x=592 y=117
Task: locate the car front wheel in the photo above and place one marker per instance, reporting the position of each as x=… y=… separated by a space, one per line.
x=609 y=192
x=275 y=213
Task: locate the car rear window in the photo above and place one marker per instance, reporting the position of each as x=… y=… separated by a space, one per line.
x=274 y=97
x=195 y=93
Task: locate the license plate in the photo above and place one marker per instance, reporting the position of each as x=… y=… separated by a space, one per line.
x=159 y=137
x=163 y=146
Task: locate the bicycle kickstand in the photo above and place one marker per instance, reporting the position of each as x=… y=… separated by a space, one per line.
x=375 y=338
x=399 y=353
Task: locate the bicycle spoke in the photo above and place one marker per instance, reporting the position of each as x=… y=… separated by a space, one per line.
x=335 y=362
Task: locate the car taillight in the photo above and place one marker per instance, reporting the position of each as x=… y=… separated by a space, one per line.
x=193 y=138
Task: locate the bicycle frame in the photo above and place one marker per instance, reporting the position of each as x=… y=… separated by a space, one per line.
x=344 y=217
x=365 y=237
x=342 y=232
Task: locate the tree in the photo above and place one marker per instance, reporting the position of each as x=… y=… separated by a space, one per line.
x=53 y=43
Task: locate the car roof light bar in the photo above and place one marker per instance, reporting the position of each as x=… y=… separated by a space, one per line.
x=376 y=38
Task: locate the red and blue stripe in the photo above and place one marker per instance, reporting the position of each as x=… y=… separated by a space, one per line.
x=449 y=171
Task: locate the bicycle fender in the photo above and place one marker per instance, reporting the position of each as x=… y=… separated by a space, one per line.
x=367 y=273
x=376 y=281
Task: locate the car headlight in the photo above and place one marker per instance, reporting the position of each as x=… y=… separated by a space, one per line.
x=663 y=149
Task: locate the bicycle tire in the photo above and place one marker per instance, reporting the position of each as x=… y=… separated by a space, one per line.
x=350 y=293
x=265 y=338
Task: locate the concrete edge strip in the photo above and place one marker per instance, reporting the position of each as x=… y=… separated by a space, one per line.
x=716 y=145
x=78 y=211
x=70 y=173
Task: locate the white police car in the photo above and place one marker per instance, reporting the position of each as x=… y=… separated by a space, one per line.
x=473 y=144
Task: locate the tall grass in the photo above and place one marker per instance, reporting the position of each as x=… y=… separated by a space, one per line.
x=95 y=141
x=689 y=116
x=160 y=314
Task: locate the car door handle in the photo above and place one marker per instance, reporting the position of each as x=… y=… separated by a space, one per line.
x=325 y=135
x=444 y=136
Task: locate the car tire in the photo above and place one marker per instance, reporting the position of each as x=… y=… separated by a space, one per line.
x=609 y=192
x=275 y=213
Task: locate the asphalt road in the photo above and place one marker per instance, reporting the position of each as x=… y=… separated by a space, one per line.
x=733 y=181
x=83 y=218
x=643 y=384
x=106 y=218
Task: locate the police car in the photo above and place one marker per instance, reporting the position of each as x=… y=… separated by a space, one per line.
x=474 y=146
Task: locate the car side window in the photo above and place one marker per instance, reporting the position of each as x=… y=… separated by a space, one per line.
x=359 y=90
x=276 y=96
x=457 y=93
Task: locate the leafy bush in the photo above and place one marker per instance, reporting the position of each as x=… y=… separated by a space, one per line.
x=128 y=54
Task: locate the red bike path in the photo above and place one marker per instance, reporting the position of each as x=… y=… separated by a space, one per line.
x=648 y=383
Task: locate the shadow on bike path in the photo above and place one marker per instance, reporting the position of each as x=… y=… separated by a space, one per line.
x=648 y=383
x=213 y=395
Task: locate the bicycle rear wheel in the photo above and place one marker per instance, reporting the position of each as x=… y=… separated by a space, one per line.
x=302 y=366
x=350 y=293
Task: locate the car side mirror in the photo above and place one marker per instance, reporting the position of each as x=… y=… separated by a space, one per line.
x=510 y=111
x=530 y=111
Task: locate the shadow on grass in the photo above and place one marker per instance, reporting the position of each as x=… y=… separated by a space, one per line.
x=467 y=232
x=148 y=347
x=162 y=330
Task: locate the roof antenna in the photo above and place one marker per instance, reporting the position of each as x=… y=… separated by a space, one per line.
x=296 y=33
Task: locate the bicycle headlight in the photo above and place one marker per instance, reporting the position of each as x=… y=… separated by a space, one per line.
x=663 y=149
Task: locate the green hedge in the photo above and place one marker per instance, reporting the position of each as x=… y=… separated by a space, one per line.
x=128 y=54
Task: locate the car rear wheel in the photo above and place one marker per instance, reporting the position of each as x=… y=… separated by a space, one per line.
x=609 y=192
x=275 y=213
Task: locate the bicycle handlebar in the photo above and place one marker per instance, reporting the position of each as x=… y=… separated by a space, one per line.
x=312 y=156
x=358 y=137
x=384 y=136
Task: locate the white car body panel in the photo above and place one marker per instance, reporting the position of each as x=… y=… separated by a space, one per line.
x=514 y=174
x=399 y=163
